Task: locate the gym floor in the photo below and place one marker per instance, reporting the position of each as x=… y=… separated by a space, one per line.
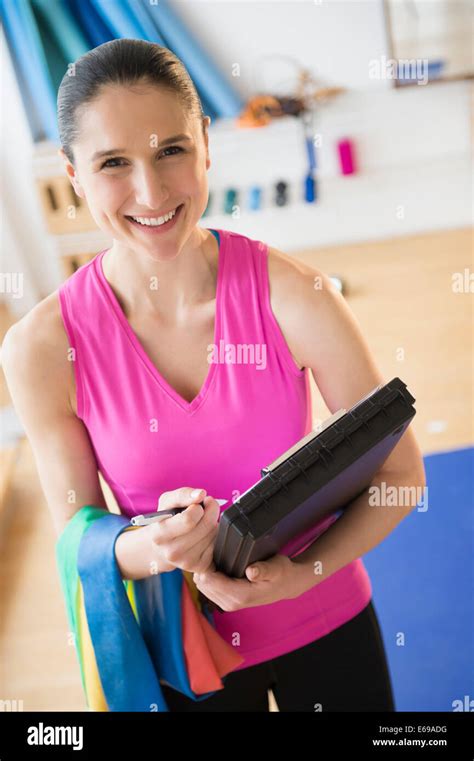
x=400 y=291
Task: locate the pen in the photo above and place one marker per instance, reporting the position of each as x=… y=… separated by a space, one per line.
x=147 y=518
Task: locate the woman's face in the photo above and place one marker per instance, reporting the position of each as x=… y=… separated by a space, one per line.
x=143 y=177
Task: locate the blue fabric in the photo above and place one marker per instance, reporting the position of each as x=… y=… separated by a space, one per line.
x=215 y=234
x=221 y=99
x=132 y=657
x=64 y=29
x=91 y=22
x=44 y=36
x=24 y=39
x=125 y=667
x=127 y=19
x=56 y=61
x=159 y=23
x=30 y=108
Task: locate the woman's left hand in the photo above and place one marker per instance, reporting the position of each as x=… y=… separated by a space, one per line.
x=278 y=578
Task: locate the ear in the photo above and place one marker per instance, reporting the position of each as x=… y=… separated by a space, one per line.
x=71 y=173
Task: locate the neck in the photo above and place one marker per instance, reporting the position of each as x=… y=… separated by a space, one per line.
x=168 y=288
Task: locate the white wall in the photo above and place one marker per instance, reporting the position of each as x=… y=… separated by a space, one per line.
x=413 y=145
x=335 y=38
x=24 y=244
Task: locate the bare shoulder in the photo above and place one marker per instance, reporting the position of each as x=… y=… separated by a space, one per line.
x=290 y=277
x=35 y=349
x=325 y=335
x=296 y=292
x=40 y=328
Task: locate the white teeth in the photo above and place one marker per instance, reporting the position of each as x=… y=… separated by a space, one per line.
x=155 y=221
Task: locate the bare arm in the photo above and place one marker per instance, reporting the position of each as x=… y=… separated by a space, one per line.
x=39 y=374
x=36 y=372
x=325 y=336
x=34 y=360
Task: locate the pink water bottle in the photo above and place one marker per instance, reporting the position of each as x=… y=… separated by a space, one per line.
x=346 y=152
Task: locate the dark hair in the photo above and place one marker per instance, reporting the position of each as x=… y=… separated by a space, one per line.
x=124 y=62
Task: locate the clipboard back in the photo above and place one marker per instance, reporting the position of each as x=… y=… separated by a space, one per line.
x=313 y=482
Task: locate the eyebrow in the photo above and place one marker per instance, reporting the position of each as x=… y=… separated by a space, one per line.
x=112 y=151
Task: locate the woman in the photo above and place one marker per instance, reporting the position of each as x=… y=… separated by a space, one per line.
x=155 y=398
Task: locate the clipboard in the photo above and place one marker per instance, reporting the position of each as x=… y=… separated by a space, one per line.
x=317 y=478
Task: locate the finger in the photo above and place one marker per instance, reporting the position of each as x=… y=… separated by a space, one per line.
x=195 y=521
x=261 y=571
x=205 y=560
x=219 y=583
x=219 y=595
x=202 y=539
x=214 y=600
x=253 y=573
x=189 y=557
x=199 y=556
x=212 y=568
x=182 y=497
x=164 y=531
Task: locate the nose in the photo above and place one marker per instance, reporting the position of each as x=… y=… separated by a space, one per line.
x=149 y=188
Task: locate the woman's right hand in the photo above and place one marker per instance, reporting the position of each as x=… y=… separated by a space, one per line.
x=186 y=540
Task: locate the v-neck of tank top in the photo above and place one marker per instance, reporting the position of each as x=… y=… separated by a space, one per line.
x=138 y=346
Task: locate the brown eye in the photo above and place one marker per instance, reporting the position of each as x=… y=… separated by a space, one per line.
x=173 y=148
x=107 y=163
x=112 y=165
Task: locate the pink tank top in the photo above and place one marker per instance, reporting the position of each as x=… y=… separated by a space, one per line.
x=147 y=439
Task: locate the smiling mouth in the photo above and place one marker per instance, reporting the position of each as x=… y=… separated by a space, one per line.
x=154 y=223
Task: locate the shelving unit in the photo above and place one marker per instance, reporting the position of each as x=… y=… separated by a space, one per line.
x=418 y=185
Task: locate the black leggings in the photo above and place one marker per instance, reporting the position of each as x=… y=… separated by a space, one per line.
x=346 y=670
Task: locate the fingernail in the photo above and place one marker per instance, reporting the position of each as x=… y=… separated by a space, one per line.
x=195 y=493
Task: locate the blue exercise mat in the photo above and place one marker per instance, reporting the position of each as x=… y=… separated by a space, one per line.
x=422 y=578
